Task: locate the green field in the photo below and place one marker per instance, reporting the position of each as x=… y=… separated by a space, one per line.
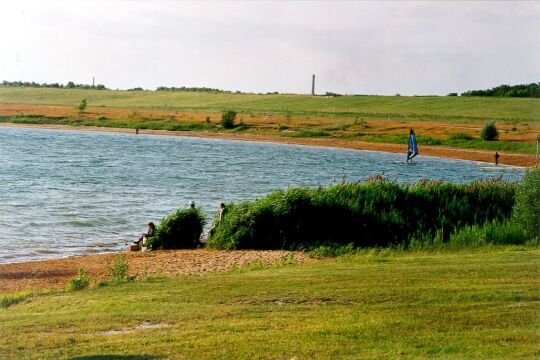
x=445 y=108
x=475 y=304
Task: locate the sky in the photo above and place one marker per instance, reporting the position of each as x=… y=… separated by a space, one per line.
x=385 y=48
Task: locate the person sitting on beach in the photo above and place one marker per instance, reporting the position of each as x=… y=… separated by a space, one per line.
x=151 y=232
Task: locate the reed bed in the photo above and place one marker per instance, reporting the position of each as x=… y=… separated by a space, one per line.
x=375 y=213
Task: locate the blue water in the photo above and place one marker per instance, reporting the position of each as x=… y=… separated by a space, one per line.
x=76 y=192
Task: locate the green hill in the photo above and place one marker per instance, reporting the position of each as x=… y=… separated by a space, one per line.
x=446 y=108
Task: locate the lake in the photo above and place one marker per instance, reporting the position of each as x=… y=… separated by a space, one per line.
x=75 y=192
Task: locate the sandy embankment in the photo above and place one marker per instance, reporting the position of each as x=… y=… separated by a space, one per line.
x=53 y=274
x=506 y=158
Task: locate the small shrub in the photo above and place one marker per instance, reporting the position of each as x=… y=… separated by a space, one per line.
x=118 y=270
x=452 y=94
x=489 y=132
x=79 y=282
x=527 y=208
x=227 y=119
x=82 y=106
x=207 y=120
x=180 y=230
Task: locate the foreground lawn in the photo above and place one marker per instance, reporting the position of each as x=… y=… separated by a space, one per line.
x=481 y=304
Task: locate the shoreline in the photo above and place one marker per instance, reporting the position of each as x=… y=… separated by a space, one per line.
x=506 y=158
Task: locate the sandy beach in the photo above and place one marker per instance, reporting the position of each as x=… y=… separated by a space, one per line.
x=506 y=158
x=53 y=274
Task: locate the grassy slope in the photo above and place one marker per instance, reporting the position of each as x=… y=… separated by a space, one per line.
x=468 y=305
x=512 y=109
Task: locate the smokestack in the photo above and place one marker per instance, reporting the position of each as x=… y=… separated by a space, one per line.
x=93 y=81
x=313 y=85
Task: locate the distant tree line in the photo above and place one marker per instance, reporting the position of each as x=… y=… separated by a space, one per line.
x=523 y=90
x=197 y=89
x=69 y=85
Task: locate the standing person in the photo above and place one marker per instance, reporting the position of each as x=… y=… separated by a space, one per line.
x=497 y=158
x=218 y=219
x=221 y=211
x=192 y=204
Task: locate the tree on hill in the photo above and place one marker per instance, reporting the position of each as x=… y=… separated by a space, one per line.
x=82 y=106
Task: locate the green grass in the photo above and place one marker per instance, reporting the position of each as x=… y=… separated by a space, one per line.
x=405 y=107
x=378 y=305
x=453 y=141
x=11 y=299
x=306 y=134
x=155 y=124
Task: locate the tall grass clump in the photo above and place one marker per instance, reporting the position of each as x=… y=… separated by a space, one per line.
x=180 y=230
x=527 y=209
x=373 y=213
x=490 y=233
x=118 y=270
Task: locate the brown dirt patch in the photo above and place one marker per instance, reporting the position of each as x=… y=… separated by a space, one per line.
x=53 y=274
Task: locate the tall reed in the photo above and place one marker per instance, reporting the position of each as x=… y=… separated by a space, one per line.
x=373 y=213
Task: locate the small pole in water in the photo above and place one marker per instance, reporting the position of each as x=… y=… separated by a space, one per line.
x=497 y=158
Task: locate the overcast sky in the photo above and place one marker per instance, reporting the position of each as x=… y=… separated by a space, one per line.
x=352 y=47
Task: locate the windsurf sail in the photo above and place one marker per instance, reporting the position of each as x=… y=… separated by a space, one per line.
x=413 y=147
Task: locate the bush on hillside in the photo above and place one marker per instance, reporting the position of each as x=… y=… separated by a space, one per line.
x=527 y=208
x=374 y=213
x=180 y=230
x=489 y=132
x=227 y=119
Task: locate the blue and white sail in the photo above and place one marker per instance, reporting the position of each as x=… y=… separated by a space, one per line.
x=413 y=147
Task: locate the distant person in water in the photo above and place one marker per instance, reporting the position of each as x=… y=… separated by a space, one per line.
x=218 y=219
x=192 y=204
x=497 y=158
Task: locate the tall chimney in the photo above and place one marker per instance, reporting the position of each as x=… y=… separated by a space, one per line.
x=93 y=81
x=313 y=85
